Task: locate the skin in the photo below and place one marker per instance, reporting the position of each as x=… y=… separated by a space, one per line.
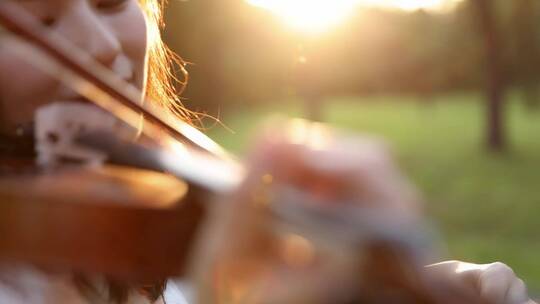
x=113 y=32
x=495 y=282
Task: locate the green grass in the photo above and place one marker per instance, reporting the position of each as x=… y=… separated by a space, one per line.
x=487 y=206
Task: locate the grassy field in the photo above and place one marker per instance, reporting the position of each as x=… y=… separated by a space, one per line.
x=487 y=206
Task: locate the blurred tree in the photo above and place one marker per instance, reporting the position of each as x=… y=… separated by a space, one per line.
x=495 y=87
x=244 y=55
x=239 y=55
x=526 y=55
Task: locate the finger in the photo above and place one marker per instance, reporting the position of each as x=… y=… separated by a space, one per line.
x=495 y=282
x=445 y=267
x=517 y=293
x=462 y=272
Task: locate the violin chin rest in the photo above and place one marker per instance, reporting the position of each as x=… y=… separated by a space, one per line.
x=57 y=125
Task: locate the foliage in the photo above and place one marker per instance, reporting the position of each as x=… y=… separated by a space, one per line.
x=244 y=55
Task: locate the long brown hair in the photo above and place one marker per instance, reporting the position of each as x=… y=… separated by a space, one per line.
x=164 y=88
x=163 y=85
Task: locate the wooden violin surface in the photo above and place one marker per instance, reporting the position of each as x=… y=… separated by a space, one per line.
x=130 y=224
x=109 y=184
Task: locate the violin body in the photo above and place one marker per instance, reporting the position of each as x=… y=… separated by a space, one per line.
x=129 y=224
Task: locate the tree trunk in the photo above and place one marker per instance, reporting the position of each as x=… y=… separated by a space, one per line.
x=526 y=50
x=495 y=87
x=531 y=97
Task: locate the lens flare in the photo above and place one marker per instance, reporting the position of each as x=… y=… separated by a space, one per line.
x=410 y=5
x=317 y=16
x=309 y=16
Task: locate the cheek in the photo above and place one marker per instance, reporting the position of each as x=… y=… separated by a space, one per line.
x=23 y=88
x=131 y=29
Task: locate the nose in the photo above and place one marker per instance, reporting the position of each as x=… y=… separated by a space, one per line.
x=104 y=46
x=92 y=34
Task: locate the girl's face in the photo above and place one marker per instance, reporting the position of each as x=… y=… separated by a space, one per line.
x=112 y=31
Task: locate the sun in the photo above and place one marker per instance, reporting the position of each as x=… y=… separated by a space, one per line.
x=316 y=16
x=309 y=16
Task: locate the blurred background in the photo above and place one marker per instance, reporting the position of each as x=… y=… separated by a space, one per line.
x=453 y=86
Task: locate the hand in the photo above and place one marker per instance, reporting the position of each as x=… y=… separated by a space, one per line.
x=250 y=247
x=496 y=282
x=335 y=166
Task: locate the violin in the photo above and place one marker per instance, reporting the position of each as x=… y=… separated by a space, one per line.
x=141 y=217
x=100 y=224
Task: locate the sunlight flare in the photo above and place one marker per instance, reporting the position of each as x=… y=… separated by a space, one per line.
x=316 y=16
x=311 y=16
x=410 y=5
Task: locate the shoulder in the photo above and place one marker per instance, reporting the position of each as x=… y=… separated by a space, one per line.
x=26 y=285
x=174 y=293
x=30 y=286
